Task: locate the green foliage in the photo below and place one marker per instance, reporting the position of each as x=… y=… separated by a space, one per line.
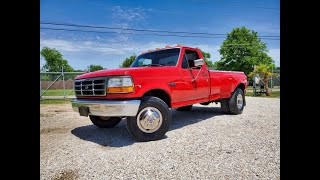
x=206 y=57
x=93 y=68
x=128 y=61
x=263 y=70
x=241 y=50
x=54 y=60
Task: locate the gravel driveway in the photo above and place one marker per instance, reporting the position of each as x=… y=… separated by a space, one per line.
x=202 y=144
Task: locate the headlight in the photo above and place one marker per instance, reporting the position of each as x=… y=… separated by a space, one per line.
x=120 y=85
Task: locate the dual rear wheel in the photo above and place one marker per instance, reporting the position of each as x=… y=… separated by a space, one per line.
x=234 y=104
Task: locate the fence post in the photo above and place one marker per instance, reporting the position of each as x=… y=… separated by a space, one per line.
x=64 y=85
x=271 y=77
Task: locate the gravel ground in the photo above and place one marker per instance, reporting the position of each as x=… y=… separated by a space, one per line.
x=201 y=144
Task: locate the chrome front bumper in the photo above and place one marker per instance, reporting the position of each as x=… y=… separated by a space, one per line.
x=106 y=107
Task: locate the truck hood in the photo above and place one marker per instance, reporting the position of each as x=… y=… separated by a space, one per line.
x=136 y=71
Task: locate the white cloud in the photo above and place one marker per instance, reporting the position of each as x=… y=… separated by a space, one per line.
x=99 y=47
x=113 y=47
x=275 y=55
x=128 y=14
x=60 y=45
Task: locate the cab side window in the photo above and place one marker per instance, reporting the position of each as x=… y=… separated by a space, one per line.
x=191 y=56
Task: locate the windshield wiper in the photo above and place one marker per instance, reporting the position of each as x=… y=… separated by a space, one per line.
x=158 y=65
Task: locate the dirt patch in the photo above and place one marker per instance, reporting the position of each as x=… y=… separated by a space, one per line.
x=66 y=175
x=53 y=130
x=46 y=115
x=55 y=108
x=60 y=111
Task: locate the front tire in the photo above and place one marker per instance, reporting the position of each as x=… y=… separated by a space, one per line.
x=152 y=120
x=105 y=122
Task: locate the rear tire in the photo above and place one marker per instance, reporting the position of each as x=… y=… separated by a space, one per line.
x=105 y=122
x=237 y=102
x=225 y=106
x=152 y=120
x=185 y=108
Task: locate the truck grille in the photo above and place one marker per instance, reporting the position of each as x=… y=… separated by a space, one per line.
x=90 y=87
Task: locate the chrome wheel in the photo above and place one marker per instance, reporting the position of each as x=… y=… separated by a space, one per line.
x=239 y=101
x=149 y=119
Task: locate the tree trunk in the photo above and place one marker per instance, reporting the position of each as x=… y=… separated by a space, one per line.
x=266 y=84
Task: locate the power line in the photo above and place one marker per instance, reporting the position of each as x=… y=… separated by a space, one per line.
x=129 y=29
x=77 y=30
x=132 y=29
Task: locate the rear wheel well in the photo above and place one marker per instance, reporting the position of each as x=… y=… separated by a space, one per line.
x=161 y=94
x=241 y=86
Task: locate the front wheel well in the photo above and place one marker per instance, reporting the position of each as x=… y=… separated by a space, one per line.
x=161 y=94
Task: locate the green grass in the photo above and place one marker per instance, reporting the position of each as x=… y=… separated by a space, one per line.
x=54 y=101
x=57 y=92
x=250 y=88
x=274 y=94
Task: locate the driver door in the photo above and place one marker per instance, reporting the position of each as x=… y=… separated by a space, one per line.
x=195 y=80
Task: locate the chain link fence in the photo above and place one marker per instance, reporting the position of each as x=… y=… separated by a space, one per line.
x=57 y=85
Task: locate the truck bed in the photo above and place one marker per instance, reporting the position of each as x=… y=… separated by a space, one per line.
x=225 y=82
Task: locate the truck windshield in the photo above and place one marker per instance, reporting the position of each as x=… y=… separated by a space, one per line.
x=167 y=57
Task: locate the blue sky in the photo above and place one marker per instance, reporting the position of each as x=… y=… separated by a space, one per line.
x=108 y=50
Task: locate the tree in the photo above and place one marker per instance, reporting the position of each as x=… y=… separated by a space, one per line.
x=93 y=67
x=128 y=61
x=206 y=57
x=242 y=50
x=54 y=60
x=264 y=72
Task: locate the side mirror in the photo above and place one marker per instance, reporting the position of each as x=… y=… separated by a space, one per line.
x=198 y=62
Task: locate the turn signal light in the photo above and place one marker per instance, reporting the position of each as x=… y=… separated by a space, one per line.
x=127 y=89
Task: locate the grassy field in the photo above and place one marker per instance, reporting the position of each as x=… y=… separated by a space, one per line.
x=54 y=101
x=274 y=94
x=57 y=92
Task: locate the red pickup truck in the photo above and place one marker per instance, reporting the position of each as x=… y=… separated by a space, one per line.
x=172 y=77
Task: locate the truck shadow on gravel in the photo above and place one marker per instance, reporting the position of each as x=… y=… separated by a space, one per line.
x=120 y=137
